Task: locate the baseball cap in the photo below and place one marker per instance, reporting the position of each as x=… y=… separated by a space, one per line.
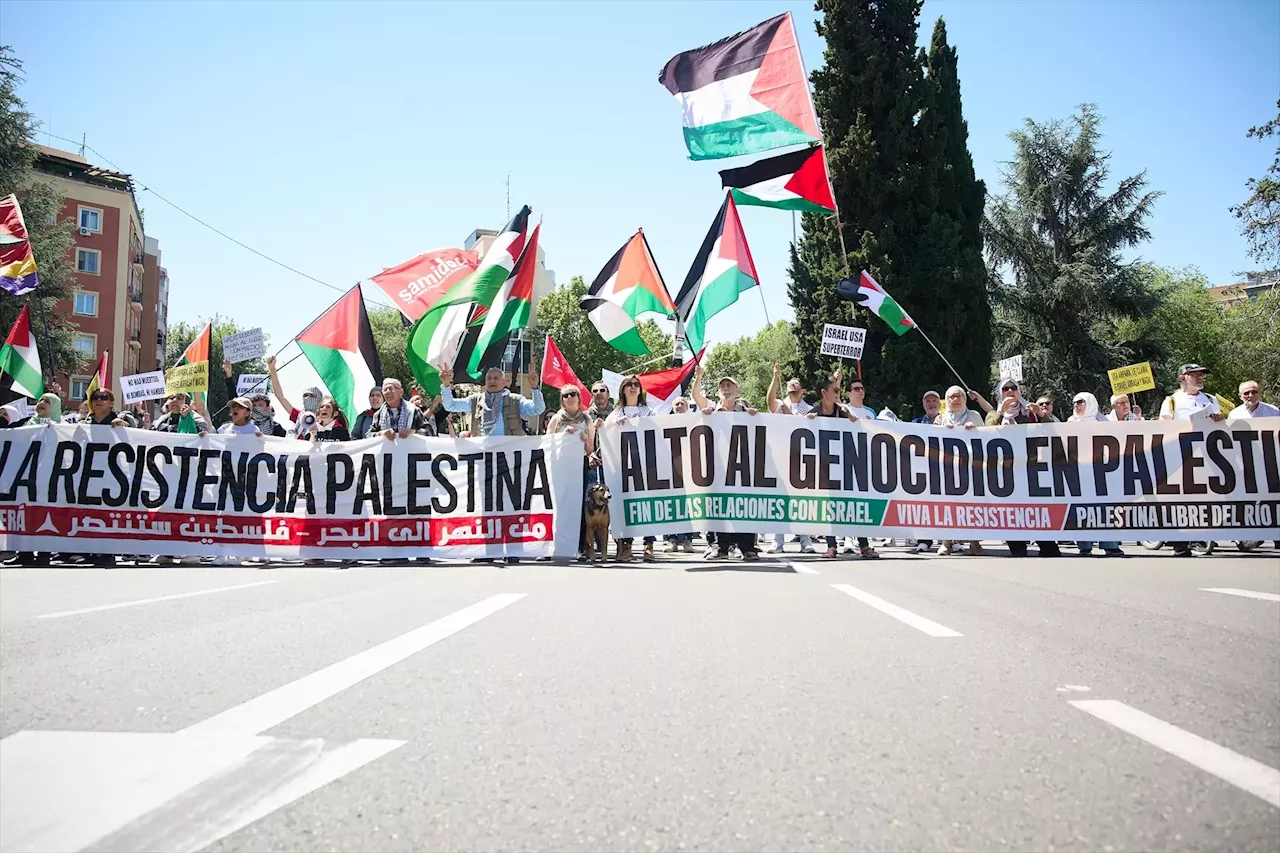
x=931 y=394
x=1192 y=368
x=724 y=379
x=242 y=402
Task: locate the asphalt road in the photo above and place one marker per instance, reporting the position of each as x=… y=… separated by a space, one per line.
x=909 y=703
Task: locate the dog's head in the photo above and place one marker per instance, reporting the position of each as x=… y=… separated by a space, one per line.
x=598 y=494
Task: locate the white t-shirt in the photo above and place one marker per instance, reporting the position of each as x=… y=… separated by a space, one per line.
x=1183 y=405
x=862 y=413
x=630 y=412
x=1264 y=410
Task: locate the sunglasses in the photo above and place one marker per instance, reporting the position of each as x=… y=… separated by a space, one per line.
x=857 y=388
x=568 y=394
x=1009 y=388
x=599 y=390
x=1050 y=402
x=632 y=385
x=97 y=397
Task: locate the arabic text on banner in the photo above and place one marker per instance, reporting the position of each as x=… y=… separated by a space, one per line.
x=95 y=489
x=1167 y=480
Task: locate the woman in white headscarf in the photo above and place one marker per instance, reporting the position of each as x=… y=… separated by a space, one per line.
x=1084 y=408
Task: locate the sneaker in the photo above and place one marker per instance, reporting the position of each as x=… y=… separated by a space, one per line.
x=715 y=554
x=1113 y=552
x=1085 y=552
x=807 y=549
x=225 y=561
x=911 y=543
x=869 y=553
x=920 y=548
x=944 y=550
x=750 y=556
x=775 y=549
x=849 y=548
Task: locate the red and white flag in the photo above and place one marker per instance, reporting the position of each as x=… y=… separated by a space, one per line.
x=663 y=386
x=557 y=372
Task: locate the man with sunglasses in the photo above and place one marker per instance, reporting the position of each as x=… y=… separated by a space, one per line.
x=102 y=411
x=1252 y=405
x=1044 y=409
x=601 y=403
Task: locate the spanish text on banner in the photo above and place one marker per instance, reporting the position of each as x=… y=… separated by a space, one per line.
x=843 y=341
x=142 y=386
x=1135 y=377
x=243 y=346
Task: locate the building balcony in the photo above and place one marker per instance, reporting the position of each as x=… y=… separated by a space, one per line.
x=137 y=260
x=135 y=340
x=135 y=298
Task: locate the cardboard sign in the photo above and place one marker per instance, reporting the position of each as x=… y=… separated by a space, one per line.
x=187 y=378
x=843 y=341
x=1012 y=367
x=243 y=346
x=253 y=383
x=142 y=386
x=1135 y=377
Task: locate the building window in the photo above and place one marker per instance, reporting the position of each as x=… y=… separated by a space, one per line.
x=88 y=261
x=91 y=219
x=79 y=387
x=86 y=303
x=85 y=344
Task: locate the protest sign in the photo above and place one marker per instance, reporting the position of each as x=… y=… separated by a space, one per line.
x=843 y=341
x=243 y=346
x=1135 y=377
x=765 y=474
x=95 y=489
x=142 y=386
x=187 y=378
x=1012 y=367
x=253 y=383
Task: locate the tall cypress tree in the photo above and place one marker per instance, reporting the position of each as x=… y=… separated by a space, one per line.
x=909 y=203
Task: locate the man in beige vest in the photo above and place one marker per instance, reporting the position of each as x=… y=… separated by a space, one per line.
x=495 y=410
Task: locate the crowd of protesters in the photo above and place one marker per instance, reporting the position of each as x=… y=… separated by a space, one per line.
x=495 y=410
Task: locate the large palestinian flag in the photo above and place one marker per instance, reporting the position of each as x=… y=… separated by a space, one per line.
x=722 y=270
x=20 y=359
x=339 y=345
x=743 y=94
x=191 y=374
x=628 y=286
x=796 y=180
x=510 y=309
x=437 y=336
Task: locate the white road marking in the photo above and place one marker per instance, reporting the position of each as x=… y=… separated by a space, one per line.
x=274 y=707
x=1239 y=770
x=1243 y=593
x=1072 y=688
x=928 y=626
x=802 y=568
x=102 y=607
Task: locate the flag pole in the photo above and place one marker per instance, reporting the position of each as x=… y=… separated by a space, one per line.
x=48 y=340
x=954 y=372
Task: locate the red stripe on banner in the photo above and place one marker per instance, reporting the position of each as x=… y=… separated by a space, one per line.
x=952 y=514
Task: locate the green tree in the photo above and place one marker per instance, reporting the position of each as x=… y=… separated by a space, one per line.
x=910 y=204
x=391 y=336
x=180 y=337
x=51 y=242
x=750 y=360
x=1259 y=215
x=560 y=314
x=1054 y=242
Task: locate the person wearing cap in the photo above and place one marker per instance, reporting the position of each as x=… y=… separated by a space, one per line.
x=793 y=403
x=729 y=402
x=175 y=406
x=240 y=409
x=1252 y=405
x=1123 y=410
x=1190 y=400
x=932 y=402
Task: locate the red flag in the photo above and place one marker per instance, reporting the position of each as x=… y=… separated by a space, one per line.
x=557 y=372
x=663 y=385
x=418 y=283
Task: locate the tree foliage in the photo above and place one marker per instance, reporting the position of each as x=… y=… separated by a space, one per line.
x=750 y=361
x=1259 y=214
x=391 y=336
x=910 y=203
x=183 y=333
x=51 y=242
x=1054 y=242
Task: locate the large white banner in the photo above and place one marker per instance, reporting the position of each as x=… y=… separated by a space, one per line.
x=98 y=489
x=1137 y=480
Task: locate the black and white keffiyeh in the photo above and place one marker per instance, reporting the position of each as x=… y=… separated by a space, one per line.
x=399 y=420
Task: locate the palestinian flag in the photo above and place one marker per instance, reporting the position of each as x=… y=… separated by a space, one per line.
x=873 y=297
x=101 y=377
x=744 y=94
x=20 y=359
x=17 y=263
x=191 y=374
x=339 y=345
x=510 y=308
x=628 y=286
x=796 y=180
x=722 y=270
x=436 y=337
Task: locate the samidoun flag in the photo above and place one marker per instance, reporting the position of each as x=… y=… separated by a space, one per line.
x=874 y=298
x=17 y=262
x=628 y=286
x=722 y=270
x=663 y=386
x=436 y=336
x=20 y=359
x=339 y=345
x=191 y=374
x=796 y=180
x=557 y=372
x=101 y=377
x=743 y=94
x=510 y=309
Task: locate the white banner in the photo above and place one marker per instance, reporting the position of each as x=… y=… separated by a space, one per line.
x=253 y=383
x=243 y=346
x=97 y=489
x=843 y=341
x=1137 y=480
x=141 y=386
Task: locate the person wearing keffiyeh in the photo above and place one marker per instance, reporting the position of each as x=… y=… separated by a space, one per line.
x=396 y=416
x=495 y=410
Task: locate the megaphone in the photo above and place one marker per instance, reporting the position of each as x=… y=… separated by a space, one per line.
x=306 y=422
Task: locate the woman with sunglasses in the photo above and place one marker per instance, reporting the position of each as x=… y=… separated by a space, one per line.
x=633 y=402
x=1012 y=408
x=573 y=419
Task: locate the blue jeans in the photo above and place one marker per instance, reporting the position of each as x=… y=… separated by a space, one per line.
x=1106 y=546
x=780 y=539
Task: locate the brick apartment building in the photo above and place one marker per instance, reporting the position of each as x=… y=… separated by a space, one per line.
x=120 y=294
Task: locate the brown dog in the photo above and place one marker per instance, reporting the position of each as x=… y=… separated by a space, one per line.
x=597 y=519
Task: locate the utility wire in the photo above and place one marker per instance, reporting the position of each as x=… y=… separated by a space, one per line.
x=217 y=231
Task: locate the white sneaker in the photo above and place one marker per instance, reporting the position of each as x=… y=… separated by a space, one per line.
x=225 y=561
x=944 y=551
x=911 y=543
x=807 y=549
x=850 y=547
x=775 y=549
x=920 y=548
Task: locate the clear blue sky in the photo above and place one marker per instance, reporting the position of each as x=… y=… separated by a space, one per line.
x=343 y=138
